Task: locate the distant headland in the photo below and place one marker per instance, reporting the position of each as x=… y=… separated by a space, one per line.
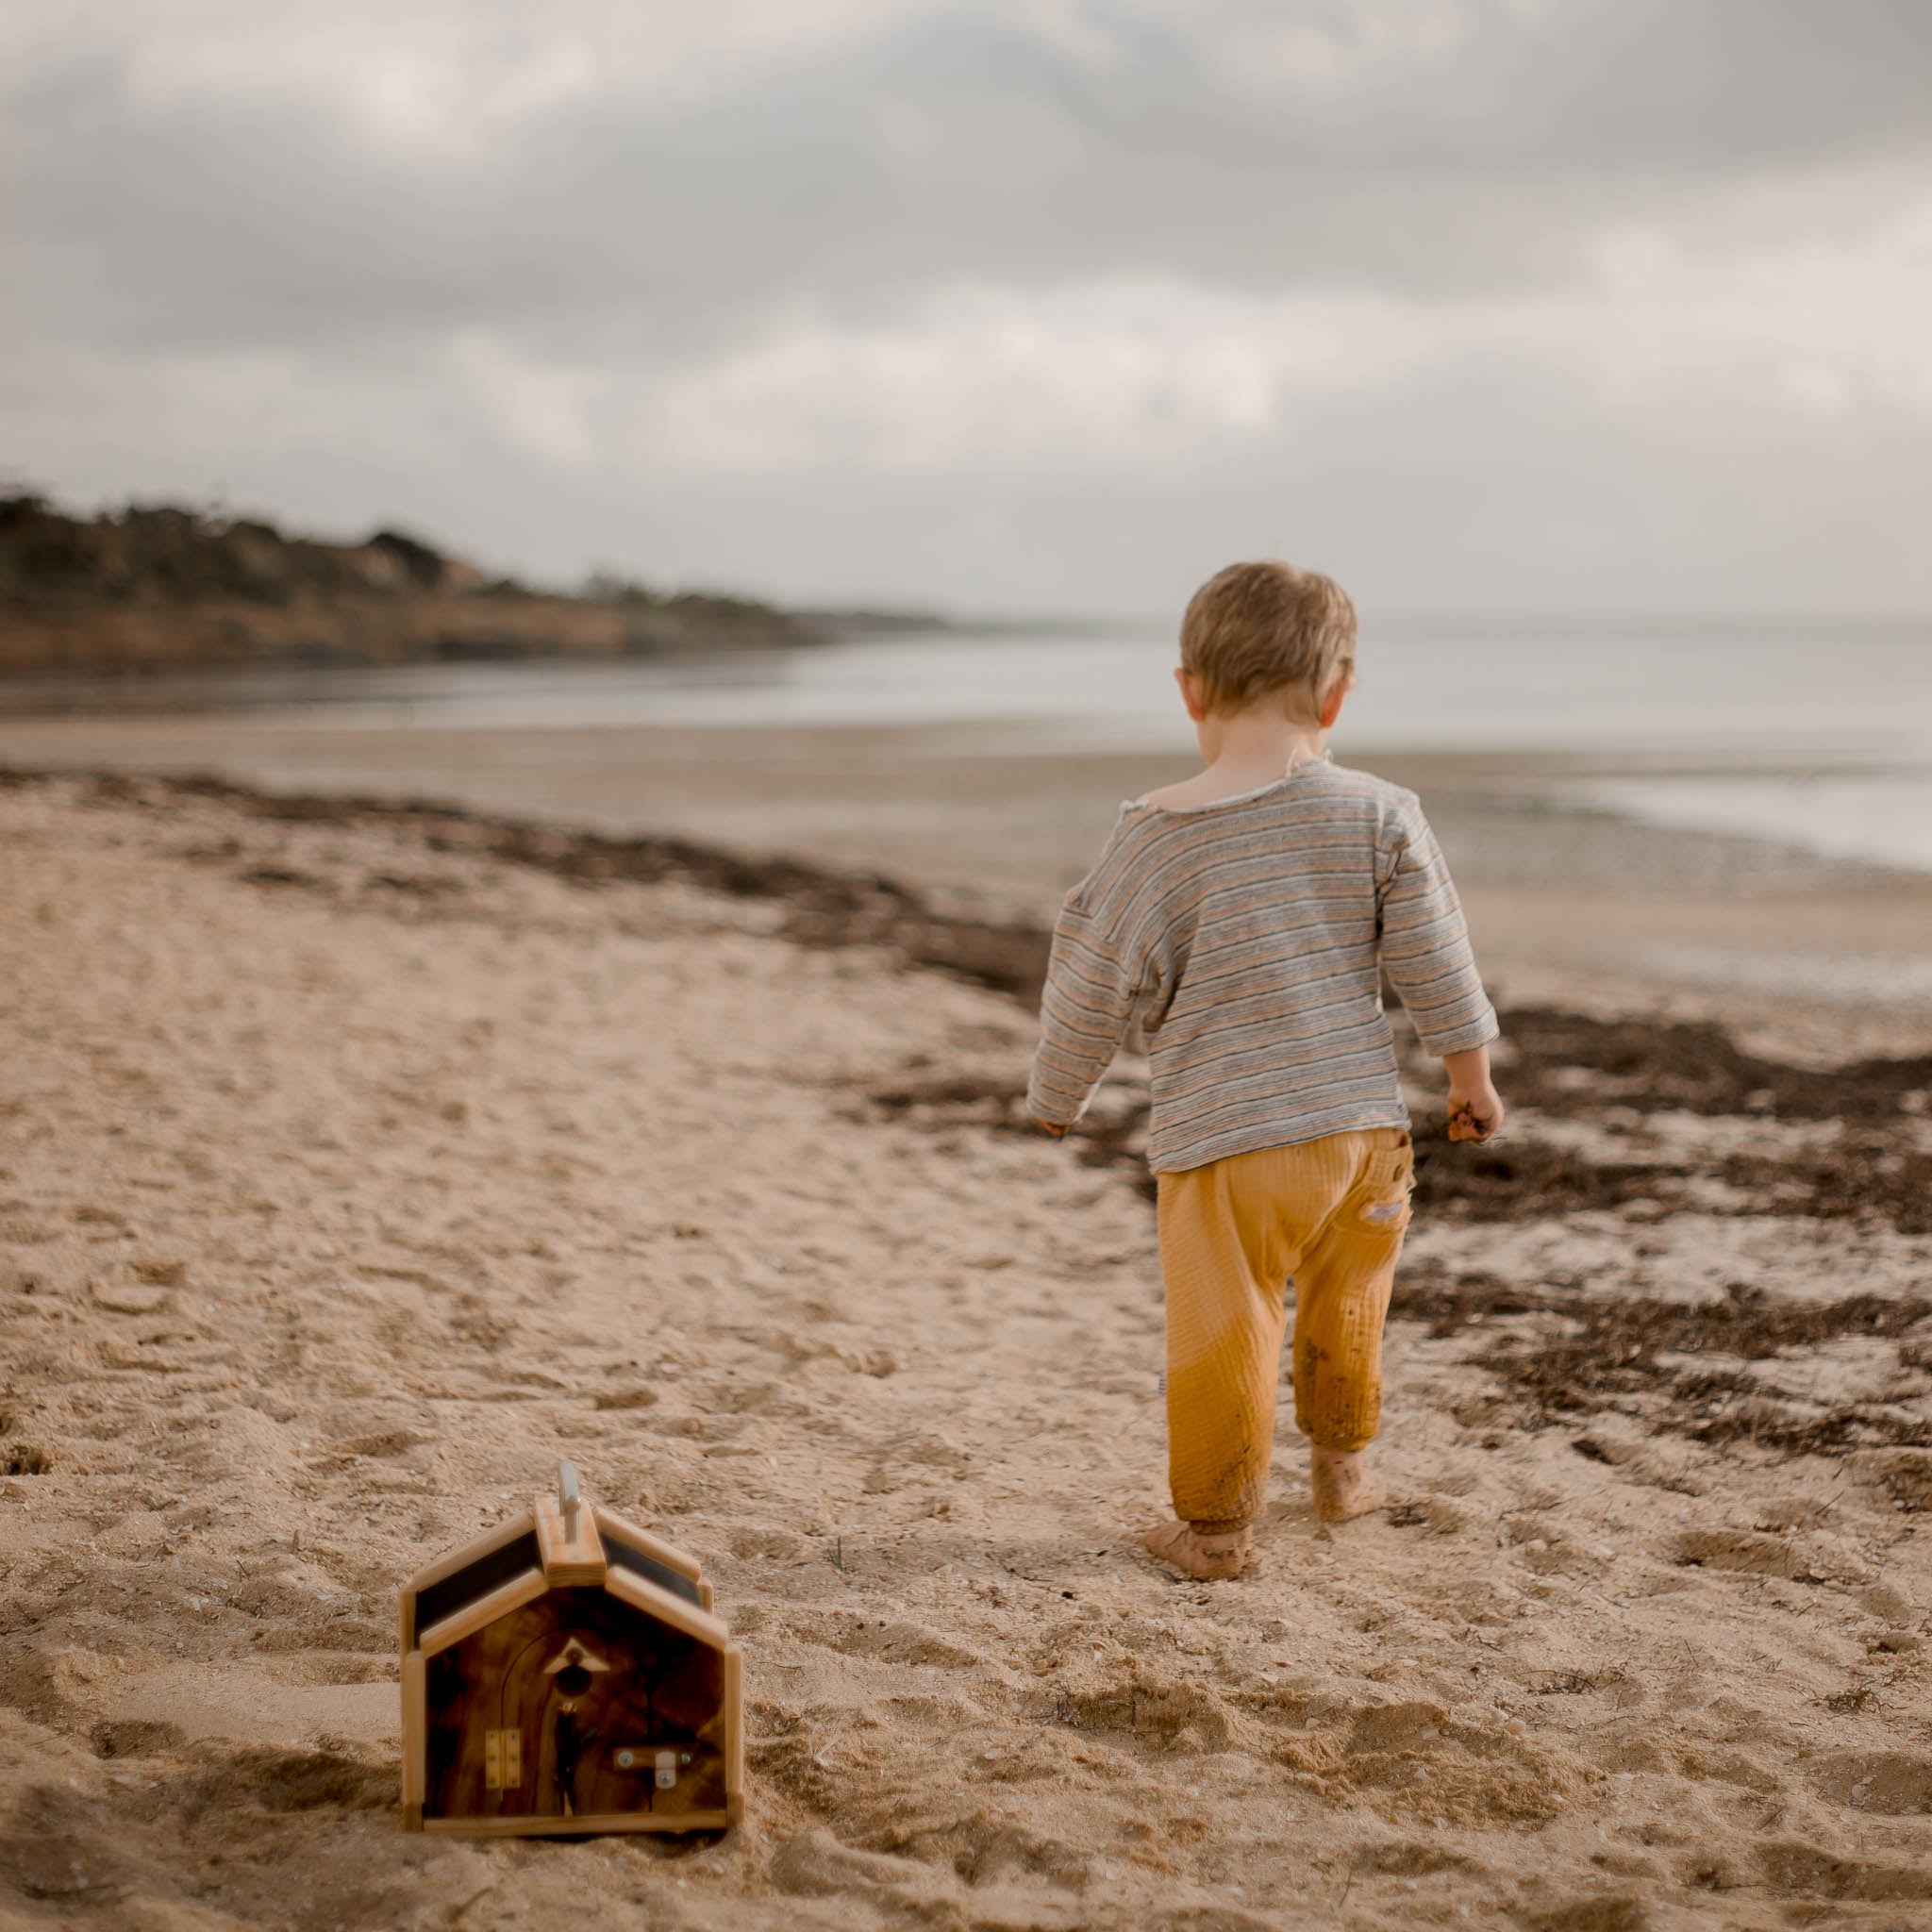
x=157 y=588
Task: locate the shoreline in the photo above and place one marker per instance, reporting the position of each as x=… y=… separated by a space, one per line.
x=1568 y=903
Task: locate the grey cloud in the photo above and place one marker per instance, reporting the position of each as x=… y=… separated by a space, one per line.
x=1486 y=488
x=955 y=145
x=1494 y=491
x=849 y=179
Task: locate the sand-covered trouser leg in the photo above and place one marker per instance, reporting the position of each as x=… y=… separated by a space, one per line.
x=1330 y=1213
x=1341 y=1300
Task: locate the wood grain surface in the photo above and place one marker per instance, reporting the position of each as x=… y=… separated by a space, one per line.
x=597 y=1689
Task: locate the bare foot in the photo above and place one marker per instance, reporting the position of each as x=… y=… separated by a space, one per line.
x=1212 y=1558
x=1343 y=1489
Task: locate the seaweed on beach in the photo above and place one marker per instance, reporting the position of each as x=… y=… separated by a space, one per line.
x=1517 y=1175
x=1867 y=1174
x=1566 y=1065
x=1872 y=1176
x=1590 y=1354
x=1693 y=1066
x=822 y=907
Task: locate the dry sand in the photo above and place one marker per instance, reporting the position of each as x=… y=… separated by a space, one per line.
x=355 y=1165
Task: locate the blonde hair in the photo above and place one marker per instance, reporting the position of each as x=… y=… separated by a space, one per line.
x=1256 y=628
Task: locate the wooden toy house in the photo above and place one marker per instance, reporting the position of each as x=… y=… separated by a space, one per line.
x=566 y=1674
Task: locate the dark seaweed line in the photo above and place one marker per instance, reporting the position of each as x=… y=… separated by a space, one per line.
x=1609 y=1348
x=824 y=907
x=1694 y=1066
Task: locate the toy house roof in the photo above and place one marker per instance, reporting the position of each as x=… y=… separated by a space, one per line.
x=555 y=1544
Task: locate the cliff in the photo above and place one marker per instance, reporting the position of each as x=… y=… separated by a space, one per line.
x=159 y=587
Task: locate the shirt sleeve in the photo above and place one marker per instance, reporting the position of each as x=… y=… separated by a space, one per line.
x=1092 y=985
x=1425 y=949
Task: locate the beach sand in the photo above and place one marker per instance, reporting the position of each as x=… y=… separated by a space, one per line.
x=355 y=1164
x=1580 y=905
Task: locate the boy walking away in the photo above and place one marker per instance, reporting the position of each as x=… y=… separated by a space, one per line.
x=1247 y=915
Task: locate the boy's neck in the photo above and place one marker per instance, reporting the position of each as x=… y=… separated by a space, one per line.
x=1242 y=752
x=1256 y=746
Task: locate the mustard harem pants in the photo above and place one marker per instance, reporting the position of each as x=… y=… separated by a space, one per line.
x=1327 y=1213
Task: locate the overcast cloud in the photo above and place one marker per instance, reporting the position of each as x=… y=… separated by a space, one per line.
x=1487 y=304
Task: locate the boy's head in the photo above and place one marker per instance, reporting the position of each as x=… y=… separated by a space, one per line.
x=1258 y=631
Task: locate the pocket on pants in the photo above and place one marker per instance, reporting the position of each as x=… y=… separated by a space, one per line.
x=1373 y=1211
x=1378 y=1203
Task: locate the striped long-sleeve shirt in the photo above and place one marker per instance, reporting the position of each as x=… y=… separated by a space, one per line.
x=1251 y=936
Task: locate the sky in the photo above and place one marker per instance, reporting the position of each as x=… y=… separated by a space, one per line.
x=1604 y=308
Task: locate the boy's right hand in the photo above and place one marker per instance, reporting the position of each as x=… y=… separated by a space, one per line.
x=1475 y=1113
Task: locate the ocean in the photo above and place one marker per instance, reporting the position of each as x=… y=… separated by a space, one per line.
x=1817 y=736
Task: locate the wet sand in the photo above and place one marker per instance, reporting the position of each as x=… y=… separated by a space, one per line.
x=356 y=1163
x=1567 y=903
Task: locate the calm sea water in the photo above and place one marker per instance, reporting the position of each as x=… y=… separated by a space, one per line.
x=1817 y=736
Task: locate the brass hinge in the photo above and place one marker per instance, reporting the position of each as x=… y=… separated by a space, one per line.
x=502 y=1760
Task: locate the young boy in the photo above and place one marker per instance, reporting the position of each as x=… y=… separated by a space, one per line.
x=1248 y=915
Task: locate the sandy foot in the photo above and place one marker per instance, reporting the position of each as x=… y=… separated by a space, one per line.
x=1211 y=1558
x=1342 y=1488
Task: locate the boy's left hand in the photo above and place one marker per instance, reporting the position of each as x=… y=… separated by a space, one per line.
x=1475 y=1113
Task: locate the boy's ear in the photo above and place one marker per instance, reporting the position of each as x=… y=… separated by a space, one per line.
x=1191 y=693
x=1331 y=705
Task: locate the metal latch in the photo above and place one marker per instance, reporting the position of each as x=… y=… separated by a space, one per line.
x=665 y=1765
